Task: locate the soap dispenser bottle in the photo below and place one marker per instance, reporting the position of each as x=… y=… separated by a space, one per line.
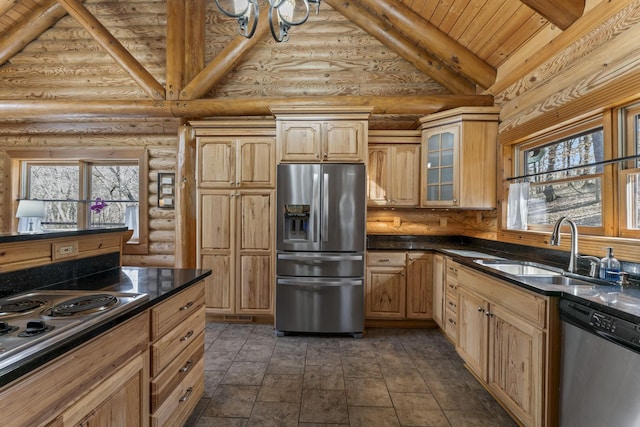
x=610 y=267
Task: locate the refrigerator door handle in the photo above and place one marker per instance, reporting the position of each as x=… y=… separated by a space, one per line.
x=315 y=283
x=315 y=256
x=315 y=200
x=325 y=209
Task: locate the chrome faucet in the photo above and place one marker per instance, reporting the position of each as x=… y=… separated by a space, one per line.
x=555 y=240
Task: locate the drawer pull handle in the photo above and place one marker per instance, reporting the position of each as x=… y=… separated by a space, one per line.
x=451 y=304
x=186 y=366
x=187 y=306
x=385 y=260
x=186 y=395
x=186 y=337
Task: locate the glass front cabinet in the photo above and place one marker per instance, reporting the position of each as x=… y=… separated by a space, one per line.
x=459 y=158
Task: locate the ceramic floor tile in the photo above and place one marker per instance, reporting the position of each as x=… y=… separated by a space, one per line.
x=232 y=401
x=323 y=377
x=281 y=388
x=476 y=418
x=418 y=409
x=216 y=360
x=367 y=417
x=324 y=356
x=324 y=406
x=367 y=392
x=441 y=370
x=254 y=353
x=274 y=414
x=455 y=397
x=211 y=381
x=362 y=367
x=245 y=373
x=356 y=348
x=403 y=379
x=221 y=422
x=286 y=363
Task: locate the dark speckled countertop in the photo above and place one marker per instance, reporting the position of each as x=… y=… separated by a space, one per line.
x=612 y=299
x=158 y=283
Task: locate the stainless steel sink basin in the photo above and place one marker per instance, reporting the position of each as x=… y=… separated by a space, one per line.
x=520 y=268
x=556 y=280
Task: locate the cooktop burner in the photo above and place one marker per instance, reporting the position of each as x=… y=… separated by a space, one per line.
x=82 y=305
x=33 y=321
x=20 y=306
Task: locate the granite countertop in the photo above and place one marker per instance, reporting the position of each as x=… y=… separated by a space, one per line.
x=612 y=299
x=24 y=237
x=158 y=283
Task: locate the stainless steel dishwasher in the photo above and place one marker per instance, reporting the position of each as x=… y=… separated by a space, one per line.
x=600 y=374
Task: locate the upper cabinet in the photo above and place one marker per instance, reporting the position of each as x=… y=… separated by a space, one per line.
x=236 y=162
x=459 y=158
x=393 y=169
x=316 y=134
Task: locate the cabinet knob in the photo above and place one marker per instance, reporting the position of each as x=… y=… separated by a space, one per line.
x=488 y=314
x=481 y=309
x=325 y=155
x=317 y=156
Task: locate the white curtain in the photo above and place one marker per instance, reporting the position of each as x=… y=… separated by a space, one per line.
x=131 y=220
x=517 y=206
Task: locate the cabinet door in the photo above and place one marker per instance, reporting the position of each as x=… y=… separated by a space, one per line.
x=216 y=162
x=405 y=173
x=438 y=289
x=219 y=286
x=379 y=175
x=255 y=287
x=517 y=364
x=440 y=167
x=472 y=331
x=256 y=219
x=256 y=162
x=216 y=220
x=344 y=141
x=299 y=141
x=385 y=292
x=419 y=286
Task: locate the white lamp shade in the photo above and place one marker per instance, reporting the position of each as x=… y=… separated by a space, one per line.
x=30 y=208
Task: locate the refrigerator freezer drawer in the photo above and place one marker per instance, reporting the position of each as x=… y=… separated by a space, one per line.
x=320 y=305
x=318 y=264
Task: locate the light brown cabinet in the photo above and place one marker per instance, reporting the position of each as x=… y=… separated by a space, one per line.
x=458 y=167
x=398 y=285
x=503 y=339
x=438 y=289
x=393 y=175
x=450 y=311
x=99 y=381
x=236 y=239
x=177 y=356
x=319 y=134
x=236 y=162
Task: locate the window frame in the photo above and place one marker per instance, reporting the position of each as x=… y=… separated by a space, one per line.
x=629 y=146
x=15 y=158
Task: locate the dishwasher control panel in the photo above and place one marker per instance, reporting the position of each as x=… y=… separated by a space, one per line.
x=607 y=326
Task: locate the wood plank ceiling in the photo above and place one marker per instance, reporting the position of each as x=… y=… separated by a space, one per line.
x=405 y=57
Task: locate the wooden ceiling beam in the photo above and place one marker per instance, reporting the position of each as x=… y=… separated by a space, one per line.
x=113 y=47
x=223 y=63
x=429 y=37
x=47 y=110
x=30 y=28
x=425 y=62
x=560 y=13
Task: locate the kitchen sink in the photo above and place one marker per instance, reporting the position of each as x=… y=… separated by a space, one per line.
x=520 y=268
x=557 y=280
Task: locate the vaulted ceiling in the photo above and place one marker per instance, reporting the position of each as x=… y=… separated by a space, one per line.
x=404 y=56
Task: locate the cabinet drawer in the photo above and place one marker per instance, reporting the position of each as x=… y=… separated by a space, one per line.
x=451 y=303
x=168 y=315
x=182 y=400
x=167 y=348
x=386 y=259
x=451 y=325
x=170 y=377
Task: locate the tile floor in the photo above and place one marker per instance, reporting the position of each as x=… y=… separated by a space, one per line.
x=391 y=377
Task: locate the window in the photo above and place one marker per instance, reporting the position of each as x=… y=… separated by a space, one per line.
x=103 y=191
x=565 y=177
x=630 y=177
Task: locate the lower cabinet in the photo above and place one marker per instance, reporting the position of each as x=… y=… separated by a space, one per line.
x=98 y=384
x=503 y=338
x=399 y=286
x=177 y=356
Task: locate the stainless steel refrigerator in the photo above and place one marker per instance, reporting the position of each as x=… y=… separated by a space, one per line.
x=321 y=220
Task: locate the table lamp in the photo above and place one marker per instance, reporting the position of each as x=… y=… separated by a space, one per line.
x=32 y=211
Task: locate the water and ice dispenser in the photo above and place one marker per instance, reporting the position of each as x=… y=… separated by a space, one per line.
x=296 y=222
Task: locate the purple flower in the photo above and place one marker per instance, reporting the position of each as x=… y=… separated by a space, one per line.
x=98 y=206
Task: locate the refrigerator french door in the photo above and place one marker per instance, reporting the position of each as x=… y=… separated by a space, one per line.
x=321 y=211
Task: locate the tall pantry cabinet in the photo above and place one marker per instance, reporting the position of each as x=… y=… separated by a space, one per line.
x=235 y=181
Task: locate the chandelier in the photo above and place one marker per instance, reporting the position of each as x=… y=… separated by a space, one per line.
x=283 y=14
